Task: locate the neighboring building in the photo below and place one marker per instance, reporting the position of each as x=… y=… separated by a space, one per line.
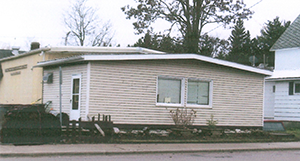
x=5 y=53
x=282 y=96
x=142 y=89
x=21 y=84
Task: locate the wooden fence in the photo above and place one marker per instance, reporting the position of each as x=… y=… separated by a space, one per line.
x=93 y=131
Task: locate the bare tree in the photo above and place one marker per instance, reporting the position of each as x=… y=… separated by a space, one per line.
x=84 y=26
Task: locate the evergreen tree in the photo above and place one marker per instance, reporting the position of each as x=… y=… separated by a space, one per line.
x=189 y=17
x=240 y=44
x=269 y=35
x=213 y=46
x=160 y=42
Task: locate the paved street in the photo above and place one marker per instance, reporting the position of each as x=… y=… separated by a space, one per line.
x=205 y=156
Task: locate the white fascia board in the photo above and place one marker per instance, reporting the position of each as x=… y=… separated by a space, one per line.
x=177 y=56
x=59 y=61
x=285 y=75
x=284 y=49
x=80 y=49
x=25 y=54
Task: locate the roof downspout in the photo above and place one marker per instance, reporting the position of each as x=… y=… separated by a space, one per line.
x=60 y=95
x=87 y=104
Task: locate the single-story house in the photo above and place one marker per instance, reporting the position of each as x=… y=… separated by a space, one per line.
x=282 y=97
x=21 y=84
x=142 y=89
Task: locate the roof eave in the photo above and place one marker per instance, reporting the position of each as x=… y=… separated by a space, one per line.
x=155 y=57
x=80 y=49
x=59 y=61
x=26 y=54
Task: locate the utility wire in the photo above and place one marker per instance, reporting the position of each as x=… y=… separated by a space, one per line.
x=222 y=25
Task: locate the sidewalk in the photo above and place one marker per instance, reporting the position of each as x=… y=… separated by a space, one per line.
x=103 y=149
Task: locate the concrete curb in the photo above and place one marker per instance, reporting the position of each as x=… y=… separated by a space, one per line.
x=128 y=153
x=122 y=149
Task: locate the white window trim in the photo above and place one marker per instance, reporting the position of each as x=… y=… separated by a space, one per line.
x=210 y=99
x=182 y=94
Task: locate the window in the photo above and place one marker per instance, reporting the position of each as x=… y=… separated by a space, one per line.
x=75 y=94
x=198 y=92
x=297 y=87
x=294 y=88
x=191 y=92
x=48 y=78
x=169 y=90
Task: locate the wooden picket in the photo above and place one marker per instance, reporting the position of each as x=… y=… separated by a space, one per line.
x=88 y=131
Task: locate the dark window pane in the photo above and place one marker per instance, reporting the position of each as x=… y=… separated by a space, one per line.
x=75 y=85
x=297 y=87
x=75 y=102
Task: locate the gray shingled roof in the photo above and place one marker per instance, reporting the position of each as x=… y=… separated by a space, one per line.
x=5 y=53
x=290 y=38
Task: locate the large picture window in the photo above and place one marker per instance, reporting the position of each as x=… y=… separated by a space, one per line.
x=198 y=92
x=169 y=90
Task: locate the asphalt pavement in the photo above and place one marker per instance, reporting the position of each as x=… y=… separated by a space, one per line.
x=110 y=149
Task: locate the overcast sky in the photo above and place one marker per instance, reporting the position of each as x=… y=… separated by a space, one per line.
x=24 y=21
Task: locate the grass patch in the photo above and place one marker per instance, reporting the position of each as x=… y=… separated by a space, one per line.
x=295 y=132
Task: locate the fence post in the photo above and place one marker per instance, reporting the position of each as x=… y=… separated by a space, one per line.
x=73 y=131
x=67 y=132
x=79 y=130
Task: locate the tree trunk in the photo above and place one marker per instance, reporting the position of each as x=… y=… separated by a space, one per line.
x=191 y=42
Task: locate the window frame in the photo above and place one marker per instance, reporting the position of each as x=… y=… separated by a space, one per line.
x=294 y=88
x=182 y=92
x=210 y=93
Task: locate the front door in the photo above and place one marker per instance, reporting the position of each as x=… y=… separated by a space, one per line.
x=75 y=97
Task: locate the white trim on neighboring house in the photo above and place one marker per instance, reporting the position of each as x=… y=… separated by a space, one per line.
x=124 y=57
x=285 y=49
x=284 y=75
x=88 y=78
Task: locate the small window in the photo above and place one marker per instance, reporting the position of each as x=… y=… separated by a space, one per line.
x=169 y=90
x=198 y=92
x=274 y=89
x=48 y=78
x=297 y=87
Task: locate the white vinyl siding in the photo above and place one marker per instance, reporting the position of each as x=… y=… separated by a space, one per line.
x=269 y=99
x=127 y=90
x=286 y=107
x=51 y=91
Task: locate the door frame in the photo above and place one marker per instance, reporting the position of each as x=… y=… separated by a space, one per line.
x=75 y=114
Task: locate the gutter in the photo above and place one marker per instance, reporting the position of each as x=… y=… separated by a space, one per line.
x=107 y=50
x=282 y=79
x=124 y=57
x=59 y=61
x=26 y=54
